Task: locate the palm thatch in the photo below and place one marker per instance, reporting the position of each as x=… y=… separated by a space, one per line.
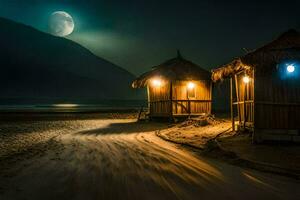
x=264 y=59
x=174 y=69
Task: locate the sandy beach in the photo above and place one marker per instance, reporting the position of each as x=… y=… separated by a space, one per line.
x=118 y=158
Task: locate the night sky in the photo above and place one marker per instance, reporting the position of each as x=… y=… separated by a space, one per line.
x=137 y=34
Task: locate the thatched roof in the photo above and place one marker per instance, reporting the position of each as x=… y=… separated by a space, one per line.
x=264 y=59
x=175 y=69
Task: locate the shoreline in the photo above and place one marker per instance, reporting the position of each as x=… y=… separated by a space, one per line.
x=63 y=116
x=55 y=110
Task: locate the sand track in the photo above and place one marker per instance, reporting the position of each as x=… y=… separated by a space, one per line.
x=121 y=159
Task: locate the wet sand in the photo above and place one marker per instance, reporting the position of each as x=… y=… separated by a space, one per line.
x=106 y=158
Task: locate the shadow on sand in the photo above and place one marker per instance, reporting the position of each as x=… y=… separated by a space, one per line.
x=125 y=128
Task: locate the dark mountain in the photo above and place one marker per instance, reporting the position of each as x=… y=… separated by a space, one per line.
x=38 y=65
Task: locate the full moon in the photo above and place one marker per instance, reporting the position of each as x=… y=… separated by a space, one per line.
x=61 y=24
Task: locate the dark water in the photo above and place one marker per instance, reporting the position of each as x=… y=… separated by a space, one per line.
x=74 y=106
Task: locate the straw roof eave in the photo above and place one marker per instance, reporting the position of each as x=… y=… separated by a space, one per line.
x=229 y=70
x=264 y=59
x=174 y=69
x=144 y=79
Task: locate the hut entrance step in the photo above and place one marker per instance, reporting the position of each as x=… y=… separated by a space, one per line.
x=143 y=114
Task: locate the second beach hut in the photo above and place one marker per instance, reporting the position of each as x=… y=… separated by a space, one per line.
x=177 y=88
x=265 y=89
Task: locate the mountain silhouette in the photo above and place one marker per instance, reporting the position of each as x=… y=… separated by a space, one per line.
x=37 y=65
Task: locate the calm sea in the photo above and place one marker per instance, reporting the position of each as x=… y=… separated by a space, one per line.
x=75 y=107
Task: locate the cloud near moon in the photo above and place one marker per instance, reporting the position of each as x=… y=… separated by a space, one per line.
x=61 y=24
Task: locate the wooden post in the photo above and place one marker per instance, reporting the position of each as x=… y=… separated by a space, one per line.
x=254 y=101
x=140 y=113
x=171 y=100
x=149 y=100
x=188 y=103
x=238 y=98
x=231 y=104
x=189 y=106
x=210 y=97
x=245 y=110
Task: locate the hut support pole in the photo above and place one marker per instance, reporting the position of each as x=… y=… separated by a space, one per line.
x=149 y=101
x=238 y=98
x=210 y=98
x=231 y=104
x=189 y=107
x=253 y=134
x=245 y=108
x=171 y=101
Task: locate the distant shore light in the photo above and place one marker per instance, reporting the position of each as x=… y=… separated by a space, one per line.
x=246 y=79
x=191 y=85
x=290 y=68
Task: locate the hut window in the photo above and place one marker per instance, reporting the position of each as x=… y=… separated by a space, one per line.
x=191 y=92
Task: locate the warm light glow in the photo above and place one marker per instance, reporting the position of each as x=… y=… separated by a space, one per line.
x=190 y=85
x=246 y=79
x=290 y=68
x=156 y=82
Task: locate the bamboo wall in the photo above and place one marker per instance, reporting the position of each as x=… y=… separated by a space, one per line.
x=277 y=103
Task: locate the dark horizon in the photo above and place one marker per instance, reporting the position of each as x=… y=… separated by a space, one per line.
x=139 y=35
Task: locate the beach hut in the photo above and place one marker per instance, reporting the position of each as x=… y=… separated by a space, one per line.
x=265 y=89
x=177 y=88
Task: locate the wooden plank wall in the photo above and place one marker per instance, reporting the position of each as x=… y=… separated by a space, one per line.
x=180 y=97
x=159 y=100
x=277 y=103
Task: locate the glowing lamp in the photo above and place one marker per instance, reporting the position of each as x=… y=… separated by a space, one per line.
x=246 y=79
x=290 y=68
x=190 y=85
x=156 y=82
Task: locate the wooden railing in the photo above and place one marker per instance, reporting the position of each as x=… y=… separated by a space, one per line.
x=243 y=102
x=245 y=110
x=184 y=104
